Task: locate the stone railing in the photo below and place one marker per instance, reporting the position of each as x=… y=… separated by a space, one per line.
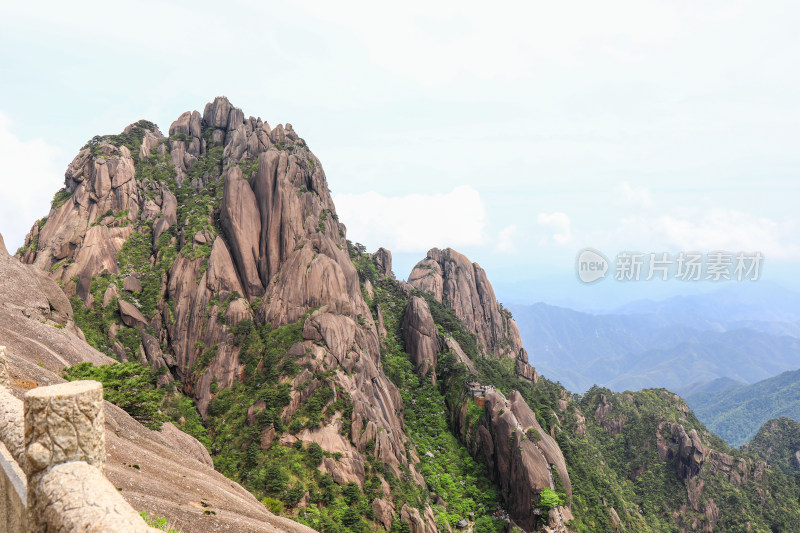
x=52 y=455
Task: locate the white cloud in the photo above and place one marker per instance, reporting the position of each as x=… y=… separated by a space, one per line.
x=506 y=240
x=634 y=196
x=712 y=229
x=416 y=222
x=28 y=180
x=558 y=225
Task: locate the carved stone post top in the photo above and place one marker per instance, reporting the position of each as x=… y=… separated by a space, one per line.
x=70 y=389
x=64 y=423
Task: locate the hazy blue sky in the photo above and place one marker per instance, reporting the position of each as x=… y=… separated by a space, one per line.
x=517 y=132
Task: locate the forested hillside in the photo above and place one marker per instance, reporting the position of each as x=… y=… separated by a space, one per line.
x=737 y=413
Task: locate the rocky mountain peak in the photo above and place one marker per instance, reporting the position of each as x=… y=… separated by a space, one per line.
x=169 y=247
x=253 y=195
x=463 y=286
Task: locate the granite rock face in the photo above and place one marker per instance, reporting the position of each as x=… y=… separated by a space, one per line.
x=520 y=456
x=242 y=226
x=421 y=336
x=383 y=262
x=463 y=286
x=419 y=522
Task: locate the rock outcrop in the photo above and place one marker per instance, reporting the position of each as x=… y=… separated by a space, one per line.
x=463 y=286
x=694 y=462
x=691 y=456
x=383 y=262
x=421 y=336
x=131 y=316
x=420 y=522
x=521 y=457
x=607 y=418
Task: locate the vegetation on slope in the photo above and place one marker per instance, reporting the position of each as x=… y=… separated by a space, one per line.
x=133 y=387
x=449 y=470
x=778 y=443
x=736 y=414
x=647 y=491
x=285 y=474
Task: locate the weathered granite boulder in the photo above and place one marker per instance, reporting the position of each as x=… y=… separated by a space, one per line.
x=131 y=316
x=132 y=284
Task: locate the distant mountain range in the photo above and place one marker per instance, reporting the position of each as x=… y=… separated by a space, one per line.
x=746 y=337
x=763 y=302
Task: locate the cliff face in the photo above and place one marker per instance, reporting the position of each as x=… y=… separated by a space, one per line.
x=521 y=457
x=174 y=241
x=463 y=287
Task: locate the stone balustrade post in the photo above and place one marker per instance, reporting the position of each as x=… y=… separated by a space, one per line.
x=64 y=423
x=65 y=454
x=11 y=432
x=13 y=484
x=5 y=380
